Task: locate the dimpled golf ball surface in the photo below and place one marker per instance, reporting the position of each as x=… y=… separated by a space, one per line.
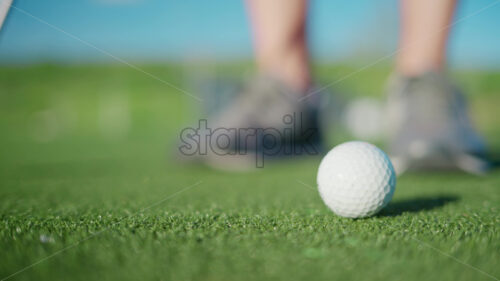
x=356 y=179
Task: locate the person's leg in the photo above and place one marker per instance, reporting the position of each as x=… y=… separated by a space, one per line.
x=270 y=102
x=424 y=33
x=4 y=9
x=279 y=28
x=428 y=122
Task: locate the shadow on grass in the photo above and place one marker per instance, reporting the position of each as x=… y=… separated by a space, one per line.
x=417 y=205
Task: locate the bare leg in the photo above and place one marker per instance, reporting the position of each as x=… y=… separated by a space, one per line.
x=424 y=32
x=280 y=41
x=428 y=121
x=4 y=9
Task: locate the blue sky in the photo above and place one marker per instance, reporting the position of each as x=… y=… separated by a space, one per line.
x=156 y=30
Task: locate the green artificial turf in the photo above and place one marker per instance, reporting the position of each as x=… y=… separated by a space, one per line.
x=88 y=190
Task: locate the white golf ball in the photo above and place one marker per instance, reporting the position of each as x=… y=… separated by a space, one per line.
x=356 y=179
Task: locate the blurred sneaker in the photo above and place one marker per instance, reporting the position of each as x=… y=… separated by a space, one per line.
x=429 y=127
x=266 y=120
